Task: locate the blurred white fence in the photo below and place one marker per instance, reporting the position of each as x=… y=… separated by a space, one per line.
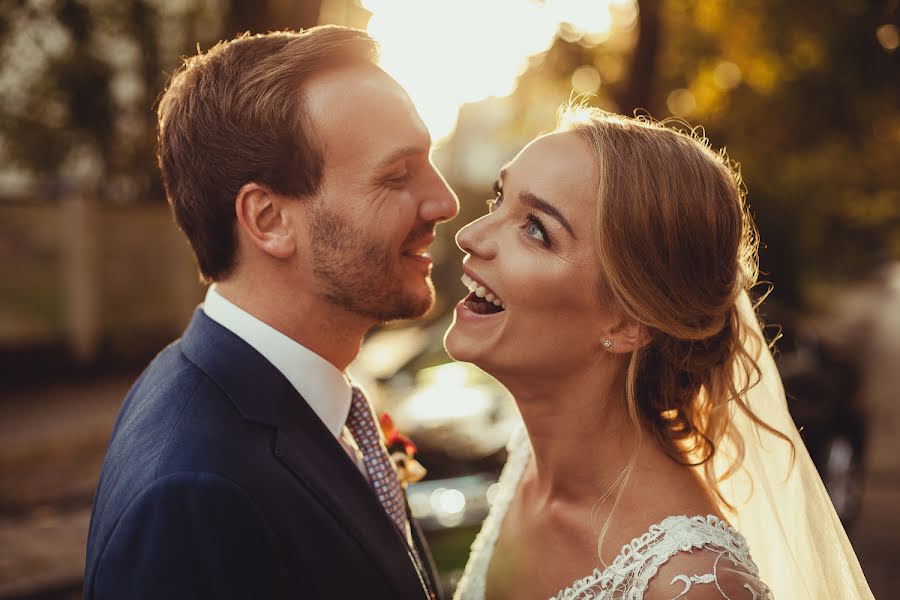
x=92 y=277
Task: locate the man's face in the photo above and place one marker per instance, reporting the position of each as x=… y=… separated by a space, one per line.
x=381 y=197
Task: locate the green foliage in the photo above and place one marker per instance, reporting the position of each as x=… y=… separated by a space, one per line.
x=82 y=78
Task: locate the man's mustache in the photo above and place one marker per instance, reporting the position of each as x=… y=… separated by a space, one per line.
x=419 y=236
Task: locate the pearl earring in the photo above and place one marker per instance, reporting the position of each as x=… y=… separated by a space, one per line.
x=607 y=344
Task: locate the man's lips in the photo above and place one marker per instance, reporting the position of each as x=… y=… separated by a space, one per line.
x=419 y=248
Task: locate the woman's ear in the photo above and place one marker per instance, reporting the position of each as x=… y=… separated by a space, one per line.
x=625 y=336
x=264 y=220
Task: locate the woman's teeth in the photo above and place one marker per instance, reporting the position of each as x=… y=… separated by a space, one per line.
x=482 y=292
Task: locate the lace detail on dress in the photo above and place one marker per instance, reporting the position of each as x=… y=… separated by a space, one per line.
x=631 y=572
x=628 y=577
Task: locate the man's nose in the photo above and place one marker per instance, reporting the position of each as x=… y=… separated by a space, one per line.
x=440 y=203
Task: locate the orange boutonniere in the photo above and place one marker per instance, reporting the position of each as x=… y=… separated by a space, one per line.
x=402 y=451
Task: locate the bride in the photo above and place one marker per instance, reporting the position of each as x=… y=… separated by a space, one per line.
x=608 y=294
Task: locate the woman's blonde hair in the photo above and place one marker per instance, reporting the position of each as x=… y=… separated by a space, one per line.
x=677 y=246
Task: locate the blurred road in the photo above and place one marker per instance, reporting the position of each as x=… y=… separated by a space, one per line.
x=52 y=442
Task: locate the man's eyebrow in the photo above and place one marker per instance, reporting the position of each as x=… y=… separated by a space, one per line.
x=538 y=203
x=402 y=153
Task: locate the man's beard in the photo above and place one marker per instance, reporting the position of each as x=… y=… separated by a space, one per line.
x=359 y=273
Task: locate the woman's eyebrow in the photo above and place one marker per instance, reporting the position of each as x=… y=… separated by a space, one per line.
x=538 y=203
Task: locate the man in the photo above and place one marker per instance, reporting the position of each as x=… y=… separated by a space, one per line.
x=243 y=464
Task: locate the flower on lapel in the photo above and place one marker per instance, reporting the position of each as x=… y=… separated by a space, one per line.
x=402 y=451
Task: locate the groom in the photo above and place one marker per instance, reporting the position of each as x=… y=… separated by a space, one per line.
x=243 y=463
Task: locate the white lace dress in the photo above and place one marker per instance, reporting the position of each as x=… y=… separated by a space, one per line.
x=693 y=552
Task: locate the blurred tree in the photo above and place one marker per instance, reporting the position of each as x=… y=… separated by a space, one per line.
x=805 y=95
x=82 y=77
x=259 y=16
x=79 y=80
x=638 y=89
x=67 y=104
x=142 y=24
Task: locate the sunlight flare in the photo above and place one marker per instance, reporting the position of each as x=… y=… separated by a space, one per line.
x=449 y=53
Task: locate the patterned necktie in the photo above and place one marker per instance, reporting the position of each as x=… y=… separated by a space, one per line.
x=367 y=434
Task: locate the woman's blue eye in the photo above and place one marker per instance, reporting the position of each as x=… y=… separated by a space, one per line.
x=533 y=230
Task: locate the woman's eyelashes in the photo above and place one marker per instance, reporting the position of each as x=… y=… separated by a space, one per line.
x=495 y=202
x=533 y=227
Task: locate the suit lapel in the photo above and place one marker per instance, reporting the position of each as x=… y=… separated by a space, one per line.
x=343 y=490
x=303 y=445
x=430 y=571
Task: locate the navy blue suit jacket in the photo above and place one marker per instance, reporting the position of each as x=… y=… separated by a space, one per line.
x=221 y=482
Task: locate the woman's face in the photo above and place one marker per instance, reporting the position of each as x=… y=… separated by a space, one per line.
x=533 y=253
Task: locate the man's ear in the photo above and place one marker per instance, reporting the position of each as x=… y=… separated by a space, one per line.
x=626 y=336
x=264 y=220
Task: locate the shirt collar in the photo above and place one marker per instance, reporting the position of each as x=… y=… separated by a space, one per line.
x=324 y=387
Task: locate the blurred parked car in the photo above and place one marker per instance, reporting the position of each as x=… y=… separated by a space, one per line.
x=461 y=420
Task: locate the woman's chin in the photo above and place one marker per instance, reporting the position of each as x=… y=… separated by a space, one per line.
x=453 y=345
x=461 y=347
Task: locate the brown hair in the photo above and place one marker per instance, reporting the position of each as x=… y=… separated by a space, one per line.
x=677 y=247
x=236 y=115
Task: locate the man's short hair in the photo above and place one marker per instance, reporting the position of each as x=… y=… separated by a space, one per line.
x=236 y=115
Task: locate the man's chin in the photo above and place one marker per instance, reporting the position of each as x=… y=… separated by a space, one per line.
x=409 y=303
x=419 y=296
x=415 y=307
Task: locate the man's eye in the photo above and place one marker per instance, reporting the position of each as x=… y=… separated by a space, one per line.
x=398 y=179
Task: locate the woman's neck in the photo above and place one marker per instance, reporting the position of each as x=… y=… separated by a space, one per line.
x=580 y=430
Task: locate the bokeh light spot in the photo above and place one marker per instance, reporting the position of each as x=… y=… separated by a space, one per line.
x=727 y=75
x=681 y=103
x=888 y=36
x=586 y=79
x=763 y=73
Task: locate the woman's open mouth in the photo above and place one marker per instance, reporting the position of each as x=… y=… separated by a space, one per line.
x=481 y=299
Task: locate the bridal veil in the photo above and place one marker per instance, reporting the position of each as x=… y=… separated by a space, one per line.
x=780 y=505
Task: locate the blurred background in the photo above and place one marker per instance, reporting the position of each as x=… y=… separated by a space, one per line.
x=95 y=278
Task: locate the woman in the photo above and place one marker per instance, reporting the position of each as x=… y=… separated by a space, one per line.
x=608 y=295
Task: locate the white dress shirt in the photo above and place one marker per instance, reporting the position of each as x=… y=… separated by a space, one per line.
x=324 y=387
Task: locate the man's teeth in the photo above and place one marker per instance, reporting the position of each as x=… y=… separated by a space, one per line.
x=482 y=292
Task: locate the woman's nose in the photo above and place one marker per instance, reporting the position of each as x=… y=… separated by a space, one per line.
x=475 y=239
